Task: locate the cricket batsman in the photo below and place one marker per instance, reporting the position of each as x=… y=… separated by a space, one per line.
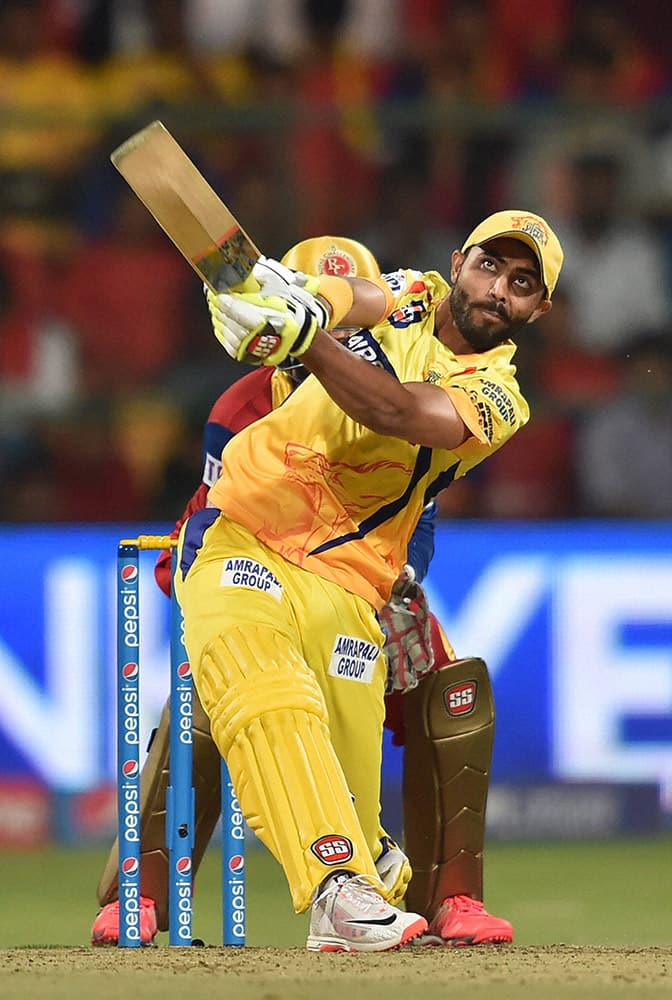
x=442 y=745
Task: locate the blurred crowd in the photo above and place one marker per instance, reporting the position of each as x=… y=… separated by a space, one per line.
x=398 y=122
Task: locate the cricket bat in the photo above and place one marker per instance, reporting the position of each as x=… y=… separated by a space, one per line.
x=186 y=207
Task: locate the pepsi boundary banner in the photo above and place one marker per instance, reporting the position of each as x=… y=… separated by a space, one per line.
x=575 y=624
x=574 y=621
x=58 y=649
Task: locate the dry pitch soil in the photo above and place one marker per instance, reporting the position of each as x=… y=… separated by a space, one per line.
x=554 y=972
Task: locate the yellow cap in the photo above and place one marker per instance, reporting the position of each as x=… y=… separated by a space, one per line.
x=530 y=229
x=332 y=255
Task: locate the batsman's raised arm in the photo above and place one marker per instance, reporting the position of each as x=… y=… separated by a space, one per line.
x=414 y=411
x=272 y=326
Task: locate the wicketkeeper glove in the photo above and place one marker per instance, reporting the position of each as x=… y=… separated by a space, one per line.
x=263 y=329
x=408 y=635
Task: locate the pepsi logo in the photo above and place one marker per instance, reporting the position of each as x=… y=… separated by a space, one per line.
x=130 y=866
x=129 y=573
x=183 y=866
x=129 y=671
x=236 y=864
x=130 y=768
x=184 y=670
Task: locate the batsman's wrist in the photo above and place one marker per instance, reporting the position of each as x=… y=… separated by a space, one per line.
x=338 y=295
x=305 y=337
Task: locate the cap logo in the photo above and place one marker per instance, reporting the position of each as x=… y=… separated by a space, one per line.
x=532 y=227
x=337 y=263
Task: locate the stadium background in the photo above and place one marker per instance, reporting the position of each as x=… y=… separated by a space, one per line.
x=553 y=562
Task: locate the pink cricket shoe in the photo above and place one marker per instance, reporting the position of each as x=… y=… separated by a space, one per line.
x=105 y=928
x=461 y=920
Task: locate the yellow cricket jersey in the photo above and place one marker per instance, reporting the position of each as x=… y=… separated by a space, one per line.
x=342 y=501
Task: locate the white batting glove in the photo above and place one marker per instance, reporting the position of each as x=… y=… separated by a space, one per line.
x=408 y=635
x=260 y=329
x=276 y=279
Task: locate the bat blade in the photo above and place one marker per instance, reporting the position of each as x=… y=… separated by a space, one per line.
x=189 y=211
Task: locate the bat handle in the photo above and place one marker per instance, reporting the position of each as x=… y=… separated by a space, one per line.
x=249 y=286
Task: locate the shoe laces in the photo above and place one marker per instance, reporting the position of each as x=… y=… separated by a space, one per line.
x=343 y=883
x=464 y=904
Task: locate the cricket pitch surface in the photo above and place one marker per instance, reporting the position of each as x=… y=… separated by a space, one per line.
x=556 y=972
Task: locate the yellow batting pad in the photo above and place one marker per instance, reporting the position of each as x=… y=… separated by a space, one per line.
x=269 y=720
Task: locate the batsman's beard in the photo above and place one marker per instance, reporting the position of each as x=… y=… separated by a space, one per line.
x=481 y=336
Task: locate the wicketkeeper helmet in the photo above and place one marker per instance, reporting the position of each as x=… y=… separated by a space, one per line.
x=334 y=255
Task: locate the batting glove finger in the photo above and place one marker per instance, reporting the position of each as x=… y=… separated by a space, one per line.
x=262 y=329
x=275 y=278
x=227 y=330
x=294 y=286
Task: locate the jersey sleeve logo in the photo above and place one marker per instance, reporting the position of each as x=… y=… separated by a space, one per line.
x=407 y=314
x=396 y=280
x=501 y=400
x=215 y=438
x=212 y=469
